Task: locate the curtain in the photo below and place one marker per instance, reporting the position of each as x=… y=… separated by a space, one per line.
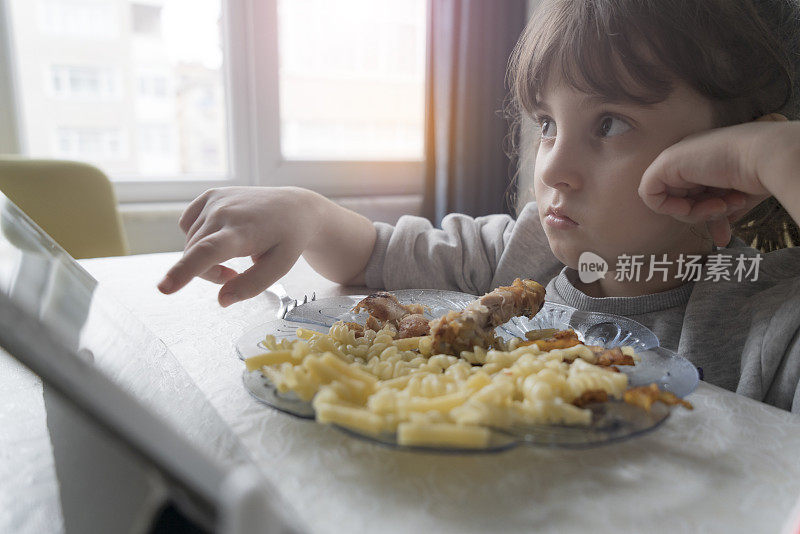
x=469 y=43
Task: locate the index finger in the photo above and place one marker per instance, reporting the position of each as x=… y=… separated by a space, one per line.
x=197 y=259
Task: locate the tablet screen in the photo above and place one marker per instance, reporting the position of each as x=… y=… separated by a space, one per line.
x=42 y=279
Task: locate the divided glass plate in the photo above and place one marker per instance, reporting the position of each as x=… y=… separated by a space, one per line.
x=611 y=421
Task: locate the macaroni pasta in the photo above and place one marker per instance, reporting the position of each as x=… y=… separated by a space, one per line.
x=375 y=383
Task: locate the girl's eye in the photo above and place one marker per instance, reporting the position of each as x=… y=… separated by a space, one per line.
x=611 y=126
x=547 y=127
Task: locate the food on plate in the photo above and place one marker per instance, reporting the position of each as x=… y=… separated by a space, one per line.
x=378 y=383
x=590 y=396
x=561 y=339
x=413 y=325
x=474 y=325
x=459 y=329
x=432 y=389
x=383 y=308
x=645 y=396
x=542 y=333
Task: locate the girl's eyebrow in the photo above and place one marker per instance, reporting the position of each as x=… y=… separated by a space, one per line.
x=590 y=100
x=596 y=100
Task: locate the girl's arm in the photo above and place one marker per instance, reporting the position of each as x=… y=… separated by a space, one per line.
x=274 y=226
x=719 y=175
x=342 y=245
x=778 y=164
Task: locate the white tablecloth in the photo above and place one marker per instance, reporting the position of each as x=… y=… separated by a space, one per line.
x=731 y=465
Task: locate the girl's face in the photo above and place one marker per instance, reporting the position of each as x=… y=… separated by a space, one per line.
x=591 y=158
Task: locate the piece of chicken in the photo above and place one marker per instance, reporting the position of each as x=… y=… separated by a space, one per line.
x=561 y=339
x=645 y=396
x=607 y=357
x=384 y=308
x=475 y=324
x=413 y=325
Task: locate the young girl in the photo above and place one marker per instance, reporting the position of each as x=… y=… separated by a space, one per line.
x=649 y=148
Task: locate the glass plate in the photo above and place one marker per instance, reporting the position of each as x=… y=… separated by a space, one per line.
x=611 y=421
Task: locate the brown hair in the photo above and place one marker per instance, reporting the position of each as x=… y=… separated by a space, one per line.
x=741 y=54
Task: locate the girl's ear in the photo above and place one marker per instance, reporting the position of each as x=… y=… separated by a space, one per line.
x=772 y=117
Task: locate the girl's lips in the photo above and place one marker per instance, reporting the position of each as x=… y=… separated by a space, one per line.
x=557 y=219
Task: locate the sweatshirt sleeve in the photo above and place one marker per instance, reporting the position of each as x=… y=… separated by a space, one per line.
x=774 y=375
x=461 y=256
x=467 y=254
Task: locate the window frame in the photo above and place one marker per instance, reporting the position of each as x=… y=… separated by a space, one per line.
x=250 y=73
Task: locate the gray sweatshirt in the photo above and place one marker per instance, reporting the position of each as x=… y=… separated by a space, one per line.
x=745 y=335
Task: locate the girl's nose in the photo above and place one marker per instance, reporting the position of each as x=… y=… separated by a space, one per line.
x=559 y=167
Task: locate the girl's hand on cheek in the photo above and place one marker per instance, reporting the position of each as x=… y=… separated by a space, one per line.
x=708 y=177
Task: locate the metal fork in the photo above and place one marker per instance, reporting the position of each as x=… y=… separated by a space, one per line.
x=287 y=303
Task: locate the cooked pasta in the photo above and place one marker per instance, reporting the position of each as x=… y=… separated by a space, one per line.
x=374 y=383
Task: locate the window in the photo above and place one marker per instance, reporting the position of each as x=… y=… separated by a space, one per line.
x=156 y=150
x=351 y=79
x=89 y=143
x=156 y=140
x=153 y=85
x=146 y=19
x=85 y=19
x=326 y=95
x=80 y=82
x=129 y=105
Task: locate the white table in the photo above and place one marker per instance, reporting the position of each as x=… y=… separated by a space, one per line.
x=731 y=465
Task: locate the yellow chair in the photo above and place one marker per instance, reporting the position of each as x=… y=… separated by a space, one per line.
x=73 y=202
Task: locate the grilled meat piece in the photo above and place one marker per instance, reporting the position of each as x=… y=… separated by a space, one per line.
x=561 y=339
x=607 y=357
x=413 y=325
x=645 y=396
x=475 y=324
x=357 y=328
x=383 y=307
